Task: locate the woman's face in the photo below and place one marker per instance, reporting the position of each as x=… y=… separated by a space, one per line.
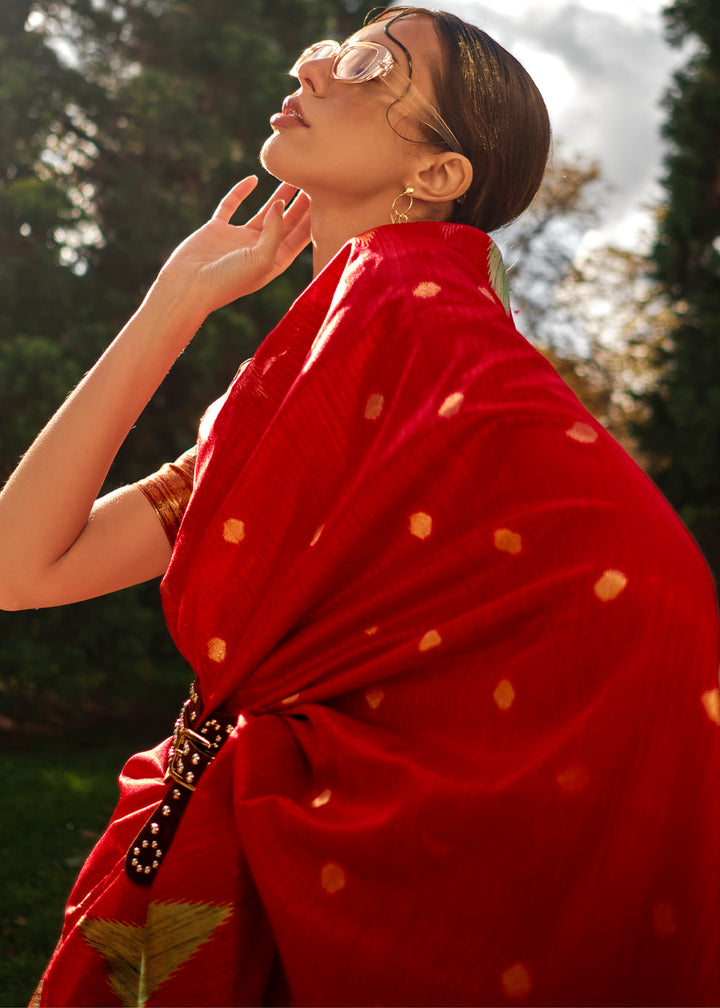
x=334 y=138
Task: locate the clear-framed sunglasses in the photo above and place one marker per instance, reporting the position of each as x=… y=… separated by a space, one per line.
x=356 y=62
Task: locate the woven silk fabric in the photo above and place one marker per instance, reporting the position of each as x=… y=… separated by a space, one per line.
x=473 y=657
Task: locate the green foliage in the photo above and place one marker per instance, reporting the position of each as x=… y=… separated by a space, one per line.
x=45 y=841
x=682 y=431
x=109 y=661
x=693 y=17
x=35 y=374
x=121 y=126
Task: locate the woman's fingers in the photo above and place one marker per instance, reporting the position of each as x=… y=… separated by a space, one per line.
x=284 y=192
x=296 y=211
x=296 y=225
x=297 y=232
x=284 y=229
x=271 y=233
x=284 y=233
x=232 y=200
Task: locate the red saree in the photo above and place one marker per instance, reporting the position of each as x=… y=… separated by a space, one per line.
x=472 y=655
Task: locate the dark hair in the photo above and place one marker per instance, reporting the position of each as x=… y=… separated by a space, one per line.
x=497 y=113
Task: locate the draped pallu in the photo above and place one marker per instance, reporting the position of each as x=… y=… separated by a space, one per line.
x=471 y=656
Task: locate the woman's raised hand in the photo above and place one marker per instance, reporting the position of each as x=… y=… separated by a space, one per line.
x=222 y=261
x=74 y=546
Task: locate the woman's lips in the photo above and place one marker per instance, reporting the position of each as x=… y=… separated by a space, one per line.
x=291 y=115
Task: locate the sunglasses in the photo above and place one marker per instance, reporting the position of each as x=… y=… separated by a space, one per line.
x=356 y=62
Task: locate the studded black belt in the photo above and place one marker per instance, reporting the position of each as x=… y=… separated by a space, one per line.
x=195 y=744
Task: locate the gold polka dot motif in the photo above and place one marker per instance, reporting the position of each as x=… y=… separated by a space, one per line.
x=516 y=981
x=711 y=703
x=421 y=525
x=332 y=878
x=374 y=406
x=374 y=697
x=504 y=694
x=365 y=239
x=234 y=531
x=322 y=799
x=573 y=779
x=451 y=405
x=507 y=541
x=430 y=640
x=582 y=433
x=609 y=585
x=216 y=649
x=428 y=289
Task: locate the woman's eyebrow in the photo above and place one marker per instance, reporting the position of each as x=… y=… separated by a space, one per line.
x=395 y=50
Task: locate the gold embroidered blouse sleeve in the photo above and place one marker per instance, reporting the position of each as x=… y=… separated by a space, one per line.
x=169 y=489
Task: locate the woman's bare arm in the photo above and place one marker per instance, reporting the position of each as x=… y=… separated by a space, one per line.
x=122 y=543
x=57 y=543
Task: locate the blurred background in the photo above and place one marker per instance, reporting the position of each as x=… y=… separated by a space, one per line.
x=122 y=122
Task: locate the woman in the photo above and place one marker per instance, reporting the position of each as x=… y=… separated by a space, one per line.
x=456 y=731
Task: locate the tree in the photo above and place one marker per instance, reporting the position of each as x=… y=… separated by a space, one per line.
x=624 y=324
x=35 y=287
x=122 y=123
x=682 y=430
x=597 y=316
x=186 y=91
x=540 y=248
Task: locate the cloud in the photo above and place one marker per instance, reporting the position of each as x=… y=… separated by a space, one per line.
x=620 y=72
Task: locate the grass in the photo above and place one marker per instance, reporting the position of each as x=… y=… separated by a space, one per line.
x=56 y=799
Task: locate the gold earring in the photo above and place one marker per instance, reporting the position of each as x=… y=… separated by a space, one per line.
x=401 y=216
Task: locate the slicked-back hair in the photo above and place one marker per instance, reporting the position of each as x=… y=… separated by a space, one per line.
x=497 y=113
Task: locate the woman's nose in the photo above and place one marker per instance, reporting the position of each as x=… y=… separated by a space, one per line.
x=315 y=73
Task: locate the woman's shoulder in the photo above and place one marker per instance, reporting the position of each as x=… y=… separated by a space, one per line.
x=426 y=264
x=443 y=243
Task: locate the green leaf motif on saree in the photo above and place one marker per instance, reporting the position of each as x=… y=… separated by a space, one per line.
x=498 y=276
x=140 y=959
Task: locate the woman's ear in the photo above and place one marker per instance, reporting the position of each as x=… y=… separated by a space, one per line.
x=442 y=178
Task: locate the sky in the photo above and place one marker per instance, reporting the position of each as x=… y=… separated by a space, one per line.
x=602 y=67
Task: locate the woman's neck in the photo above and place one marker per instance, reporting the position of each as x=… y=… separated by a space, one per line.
x=333 y=226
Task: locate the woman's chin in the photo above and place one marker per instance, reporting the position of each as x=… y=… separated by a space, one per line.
x=271 y=158
x=277 y=162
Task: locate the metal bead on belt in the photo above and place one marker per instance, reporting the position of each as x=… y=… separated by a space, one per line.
x=192 y=751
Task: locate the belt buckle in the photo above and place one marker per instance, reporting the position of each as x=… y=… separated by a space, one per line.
x=188 y=754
